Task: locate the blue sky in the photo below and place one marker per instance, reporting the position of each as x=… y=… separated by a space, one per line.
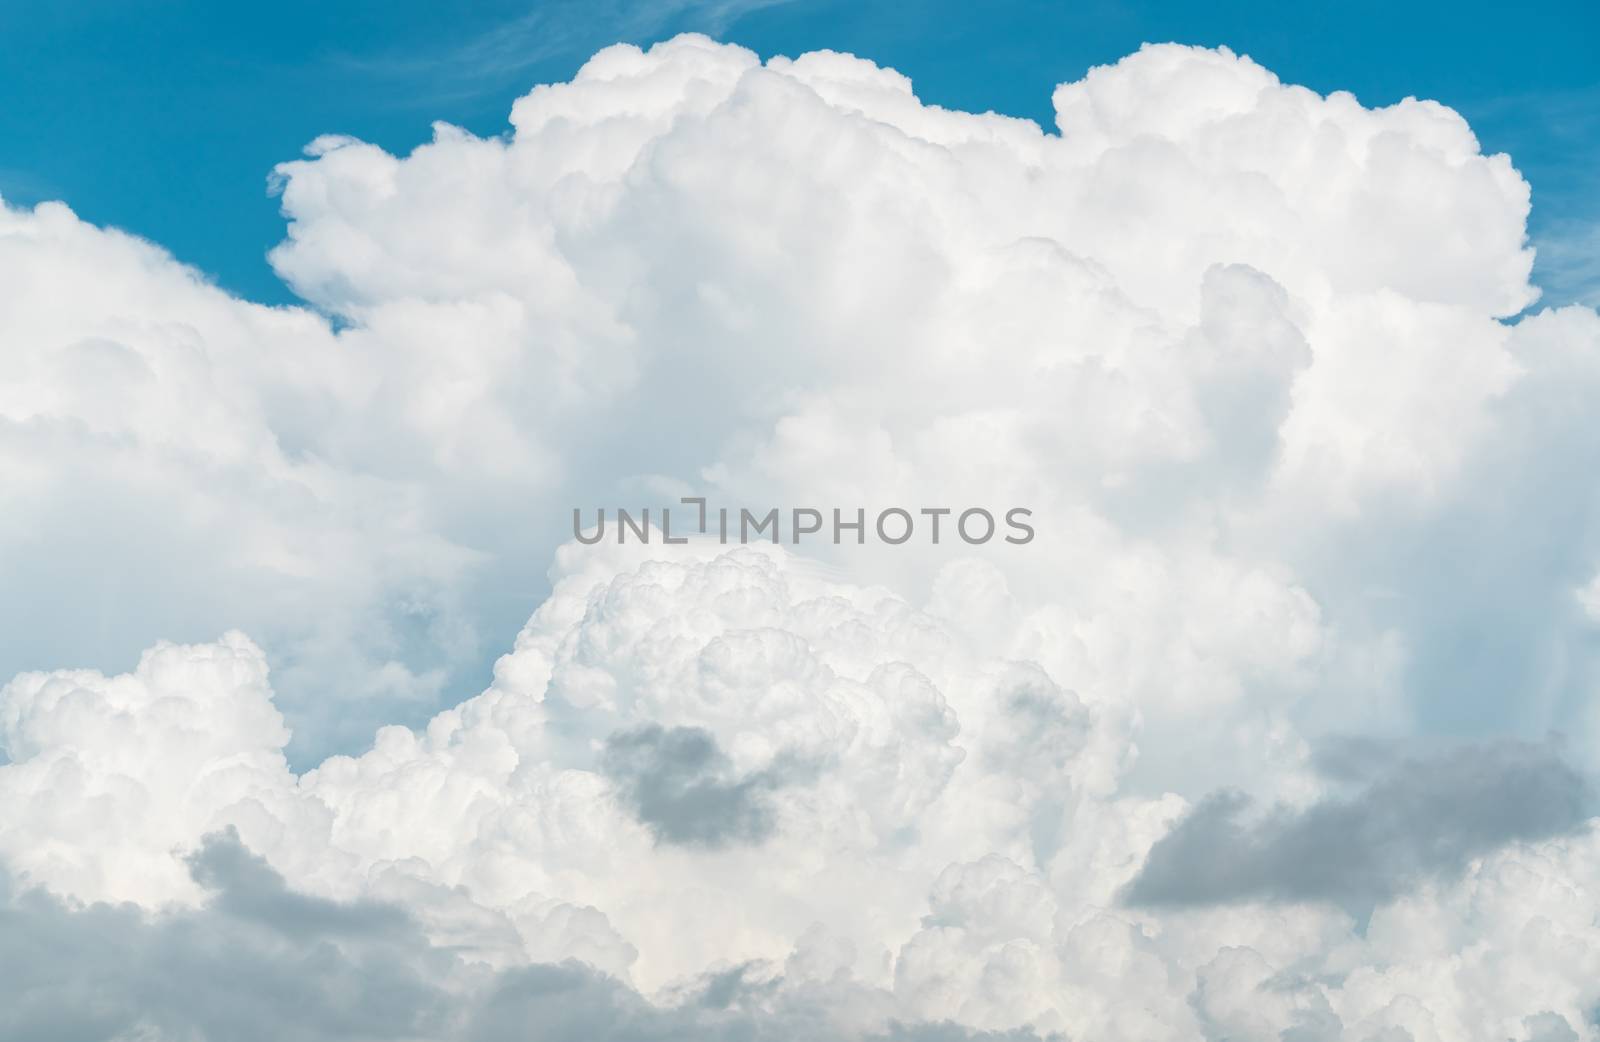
x=164 y=116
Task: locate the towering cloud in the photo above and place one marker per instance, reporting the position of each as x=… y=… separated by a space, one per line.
x=1299 y=460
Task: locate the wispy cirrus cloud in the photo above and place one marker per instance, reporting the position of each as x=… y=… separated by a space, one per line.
x=1555 y=134
x=506 y=50
x=1569 y=262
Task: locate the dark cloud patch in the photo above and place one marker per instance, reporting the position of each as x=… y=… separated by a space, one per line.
x=1549 y=1027
x=235 y=969
x=245 y=887
x=260 y=962
x=1409 y=819
x=680 y=784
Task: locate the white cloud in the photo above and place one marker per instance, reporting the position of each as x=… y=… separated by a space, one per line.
x=945 y=830
x=1241 y=348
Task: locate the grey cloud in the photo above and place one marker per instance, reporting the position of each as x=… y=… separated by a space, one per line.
x=246 y=888
x=260 y=962
x=1413 y=819
x=1549 y=1027
x=680 y=784
x=230 y=970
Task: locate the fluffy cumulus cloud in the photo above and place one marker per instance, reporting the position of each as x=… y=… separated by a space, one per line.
x=1302 y=460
